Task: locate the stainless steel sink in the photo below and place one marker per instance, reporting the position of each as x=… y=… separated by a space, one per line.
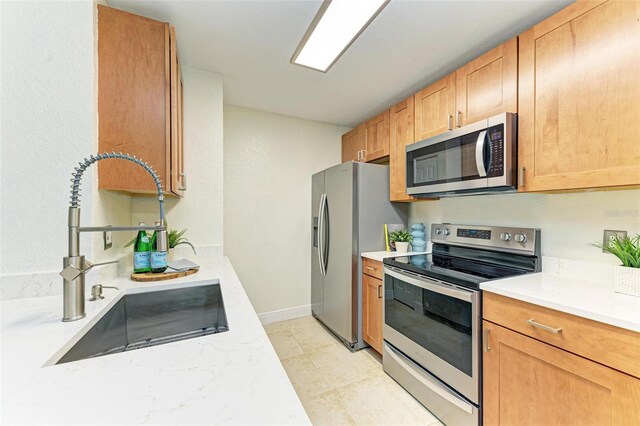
x=153 y=318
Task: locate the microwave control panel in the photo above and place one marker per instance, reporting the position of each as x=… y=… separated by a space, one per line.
x=496 y=143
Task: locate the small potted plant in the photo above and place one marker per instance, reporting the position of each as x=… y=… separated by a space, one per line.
x=401 y=238
x=627 y=249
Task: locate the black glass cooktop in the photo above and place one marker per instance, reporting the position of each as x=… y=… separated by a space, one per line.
x=467 y=267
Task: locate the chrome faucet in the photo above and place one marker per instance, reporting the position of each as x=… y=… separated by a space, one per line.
x=75 y=265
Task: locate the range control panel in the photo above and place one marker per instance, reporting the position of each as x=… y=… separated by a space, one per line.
x=520 y=240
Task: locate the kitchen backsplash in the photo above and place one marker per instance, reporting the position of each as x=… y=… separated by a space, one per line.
x=569 y=221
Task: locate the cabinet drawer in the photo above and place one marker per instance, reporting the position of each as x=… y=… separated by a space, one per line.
x=372 y=268
x=612 y=346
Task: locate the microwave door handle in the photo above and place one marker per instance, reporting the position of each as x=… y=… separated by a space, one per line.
x=482 y=139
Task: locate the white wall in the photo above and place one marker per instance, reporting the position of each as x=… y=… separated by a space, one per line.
x=201 y=208
x=569 y=222
x=47 y=127
x=268 y=163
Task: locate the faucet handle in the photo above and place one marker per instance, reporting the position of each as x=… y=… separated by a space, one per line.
x=70 y=273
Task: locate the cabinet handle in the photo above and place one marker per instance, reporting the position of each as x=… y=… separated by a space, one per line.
x=364 y=155
x=184 y=181
x=360 y=155
x=379 y=292
x=450 y=122
x=532 y=322
x=485 y=339
x=521 y=176
x=458 y=118
x=369 y=268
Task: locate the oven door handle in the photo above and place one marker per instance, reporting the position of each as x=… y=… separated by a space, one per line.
x=482 y=139
x=430 y=383
x=432 y=285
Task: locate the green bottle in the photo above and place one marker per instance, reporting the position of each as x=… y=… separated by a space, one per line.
x=158 y=258
x=142 y=252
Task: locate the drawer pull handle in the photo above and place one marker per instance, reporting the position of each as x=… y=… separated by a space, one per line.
x=369 y=268
x=544 y=327
x=379 y=292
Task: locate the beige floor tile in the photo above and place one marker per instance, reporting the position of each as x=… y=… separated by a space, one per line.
x=285 y=344
x=340 y=387
x=307 y=379
x=381 y=401
x=326 y=409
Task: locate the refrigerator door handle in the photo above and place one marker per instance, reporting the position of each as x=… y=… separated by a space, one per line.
x=321 y=234
x=326 y=229
x=324 y=237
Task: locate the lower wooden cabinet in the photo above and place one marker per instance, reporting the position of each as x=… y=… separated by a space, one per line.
x=372 y=310
x=528 y=382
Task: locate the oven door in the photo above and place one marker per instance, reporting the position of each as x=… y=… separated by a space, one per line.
x=437 y=325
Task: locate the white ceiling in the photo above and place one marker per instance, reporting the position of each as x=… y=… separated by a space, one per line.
x=410 y=44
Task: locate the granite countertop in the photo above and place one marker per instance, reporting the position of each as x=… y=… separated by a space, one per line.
x=233 y=377
x=574 y=295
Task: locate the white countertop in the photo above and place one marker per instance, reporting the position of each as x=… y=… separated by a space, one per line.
x=233 y=377
x=381 y=255
x=593 y=300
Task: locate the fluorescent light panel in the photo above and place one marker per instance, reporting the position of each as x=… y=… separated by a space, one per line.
x=337 y=24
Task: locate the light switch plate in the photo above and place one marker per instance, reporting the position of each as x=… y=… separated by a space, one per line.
x=108 y=241
x=610 y=235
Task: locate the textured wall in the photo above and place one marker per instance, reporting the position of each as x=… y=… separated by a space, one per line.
x=568 y=221
x=201 y=208
x=268 y=163
x=47 y=127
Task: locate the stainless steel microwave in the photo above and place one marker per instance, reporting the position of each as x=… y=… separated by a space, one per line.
x=478 y=158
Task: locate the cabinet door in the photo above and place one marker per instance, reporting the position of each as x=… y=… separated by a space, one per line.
x=488 y=85
x=377 y=137
x=435 y=108
x=133 y=99
x=401 y=134
x=178 y=177
x=353 y=145
x=527 y=382
x=579 y=95
x=372 y=311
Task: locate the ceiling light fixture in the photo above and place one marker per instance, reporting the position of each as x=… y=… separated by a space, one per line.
x=335 y=27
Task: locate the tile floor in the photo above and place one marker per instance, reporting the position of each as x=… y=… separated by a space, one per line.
x=338 y=387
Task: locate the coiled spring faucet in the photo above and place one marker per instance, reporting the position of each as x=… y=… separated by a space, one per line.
x=75 y=266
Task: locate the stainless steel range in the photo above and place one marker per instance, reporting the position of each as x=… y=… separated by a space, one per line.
x=432 y=313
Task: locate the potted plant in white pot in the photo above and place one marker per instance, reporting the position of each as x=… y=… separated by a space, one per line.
x=401 y=238
x=627 y=249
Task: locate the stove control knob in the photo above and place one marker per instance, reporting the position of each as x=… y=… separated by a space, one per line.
x=446 y=231
x=505 y=236
x=521 y=238
x=438 y=231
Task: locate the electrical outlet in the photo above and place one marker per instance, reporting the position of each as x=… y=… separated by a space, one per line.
x=108 y=241
x=610 y=235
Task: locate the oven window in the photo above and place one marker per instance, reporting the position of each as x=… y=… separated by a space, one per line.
x=441 y=324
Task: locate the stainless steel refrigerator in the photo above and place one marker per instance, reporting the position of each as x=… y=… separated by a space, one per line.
x=350 y=205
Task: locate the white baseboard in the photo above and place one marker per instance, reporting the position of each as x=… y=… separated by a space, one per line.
x=284 y=314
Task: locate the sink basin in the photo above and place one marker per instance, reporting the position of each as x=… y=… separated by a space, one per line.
x=153 y=318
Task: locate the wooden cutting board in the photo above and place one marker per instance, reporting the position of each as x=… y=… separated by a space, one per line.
x=148 y=276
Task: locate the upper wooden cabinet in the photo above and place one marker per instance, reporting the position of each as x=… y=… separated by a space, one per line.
x=488 y=85
x=353 y=144
x=579 y=109
x=377 y=137
x=139 y=102
x=401 y=134
x=435 y=108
